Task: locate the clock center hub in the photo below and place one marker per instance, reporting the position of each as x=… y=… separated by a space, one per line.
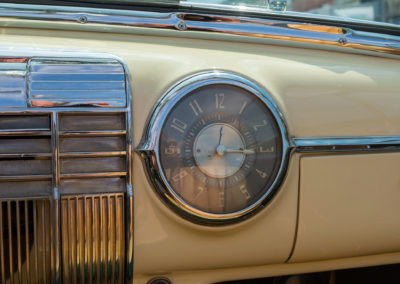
x=211 y=150
x=221 y=150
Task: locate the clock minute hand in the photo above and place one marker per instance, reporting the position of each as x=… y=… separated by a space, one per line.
x=220 y=148
x=242 y=151
x=221 y=134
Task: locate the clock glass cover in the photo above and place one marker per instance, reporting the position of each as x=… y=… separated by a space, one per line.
x=220 y=149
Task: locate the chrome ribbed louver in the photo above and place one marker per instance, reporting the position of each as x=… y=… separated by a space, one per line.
x=66 y=202
x=83 y=83
x=92 y=151
x=25 y=250
x=25 y=155
x=94 y=245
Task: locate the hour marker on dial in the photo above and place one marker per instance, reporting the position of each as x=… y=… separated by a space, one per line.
x=261 y=173
x=195 y=107
x=243 y=190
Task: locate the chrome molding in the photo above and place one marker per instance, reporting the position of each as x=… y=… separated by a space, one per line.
x=346 y=144
x=149 y=147
x=295 y=31
x=53 y=131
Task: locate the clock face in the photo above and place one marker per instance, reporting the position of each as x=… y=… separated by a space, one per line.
x=220 y=149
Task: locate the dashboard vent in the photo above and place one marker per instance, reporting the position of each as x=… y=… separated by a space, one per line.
x=93 y=153
x=25 y=156
x=54 y=83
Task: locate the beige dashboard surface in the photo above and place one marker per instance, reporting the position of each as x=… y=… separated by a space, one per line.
x=348 y=206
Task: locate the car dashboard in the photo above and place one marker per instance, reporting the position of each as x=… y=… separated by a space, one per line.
x=102 y=171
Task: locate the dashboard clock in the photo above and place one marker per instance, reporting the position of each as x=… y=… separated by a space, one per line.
x=215 y=148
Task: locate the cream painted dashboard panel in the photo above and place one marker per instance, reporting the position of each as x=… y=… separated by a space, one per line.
x=349 y=206
x=320 y=93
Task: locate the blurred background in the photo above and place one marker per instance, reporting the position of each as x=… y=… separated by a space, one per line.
x=373 y=10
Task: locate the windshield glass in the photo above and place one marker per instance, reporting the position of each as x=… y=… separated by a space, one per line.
x=387 y=11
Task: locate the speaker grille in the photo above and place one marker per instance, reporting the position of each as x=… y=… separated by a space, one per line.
x=93 y=242
x=25 y=238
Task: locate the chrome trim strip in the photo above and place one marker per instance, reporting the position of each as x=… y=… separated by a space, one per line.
x=92 y=133
x=93 y=175
x=55 y=201
x=296 y=31
x=129 y=203
x=300 y=16
x=346 y=144
x=26 y=177
x=25 y=133
x=91 y=154
x=26 y=155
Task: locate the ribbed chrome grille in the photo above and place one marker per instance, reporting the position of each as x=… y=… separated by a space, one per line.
x=25 y=155
x=92 y=153
x=85 y=157
x=55 y=82
x=66 y=200
x=93 y=241
x=25 y=238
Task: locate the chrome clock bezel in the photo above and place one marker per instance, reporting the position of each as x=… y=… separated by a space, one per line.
x=149 y=146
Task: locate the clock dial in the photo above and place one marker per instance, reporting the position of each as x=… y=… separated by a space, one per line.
x=220 y=149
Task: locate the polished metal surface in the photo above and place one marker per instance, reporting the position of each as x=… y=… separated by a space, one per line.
x=149 y=147
x=346 y=144
x=12 y=84
x=55 y=201
x=93 y=238
x=25 y=238
x=297 y=30
x=34 y=164
x=59 y=82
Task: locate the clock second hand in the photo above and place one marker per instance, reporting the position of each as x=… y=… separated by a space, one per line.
x=242 y=151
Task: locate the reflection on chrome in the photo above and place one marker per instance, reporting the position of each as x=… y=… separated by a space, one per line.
x=288 y=27
x=66 y=164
